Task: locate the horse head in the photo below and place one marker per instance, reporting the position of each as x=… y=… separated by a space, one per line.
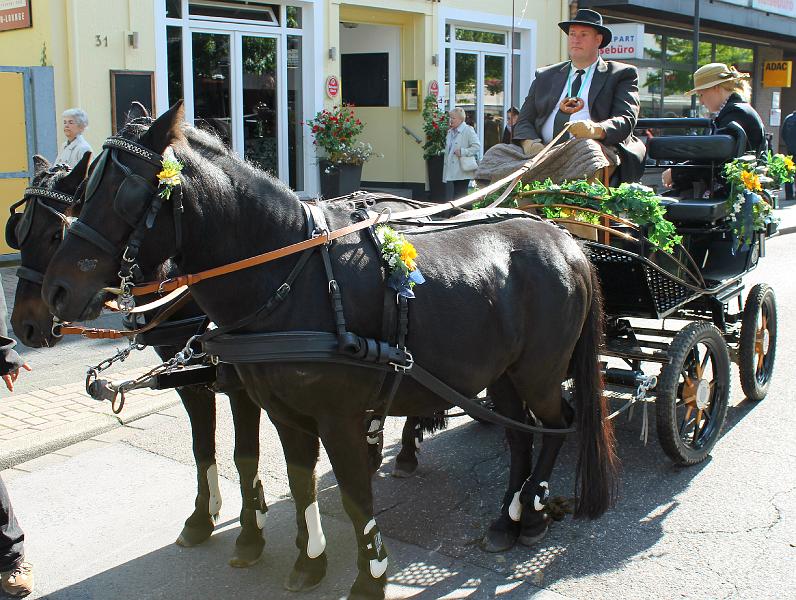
x=49 y=203
x=121 y=207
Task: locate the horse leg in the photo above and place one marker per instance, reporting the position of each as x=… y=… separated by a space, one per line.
x=301 y=454
x=411 y=437
x=200 y=404
x=556 y=414
x=246 y=417
x=504 y=531
x=343 y=439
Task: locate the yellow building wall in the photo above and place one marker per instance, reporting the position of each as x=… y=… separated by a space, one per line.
x=418 y=21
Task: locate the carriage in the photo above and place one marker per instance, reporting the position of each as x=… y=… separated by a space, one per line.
x=682 y=310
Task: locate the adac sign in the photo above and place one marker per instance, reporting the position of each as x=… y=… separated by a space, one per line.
x=777 y=73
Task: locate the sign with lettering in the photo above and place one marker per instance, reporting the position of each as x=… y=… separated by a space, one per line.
x=14 y=14
x=776 y=7
x=627 y=42
x=332 y=86
x=777 y=73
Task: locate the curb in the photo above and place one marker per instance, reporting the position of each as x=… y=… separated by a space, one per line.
x=22 y=450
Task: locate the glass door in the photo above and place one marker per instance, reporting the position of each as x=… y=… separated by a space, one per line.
x=480 y=89
x=493 y=98
x=259 y=98
x=212 y=82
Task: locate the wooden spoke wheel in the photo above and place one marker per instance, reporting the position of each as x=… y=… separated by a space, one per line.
x=758 y=345
x=693 y=393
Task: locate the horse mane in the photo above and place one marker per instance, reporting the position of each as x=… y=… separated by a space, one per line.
x=49 y=177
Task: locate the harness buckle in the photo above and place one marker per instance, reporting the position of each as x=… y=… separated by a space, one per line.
x=56 y=329
x=410 y=362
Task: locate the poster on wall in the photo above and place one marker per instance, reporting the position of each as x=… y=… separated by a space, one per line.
x=128 y=87
x=777 y=7
x=14 y=14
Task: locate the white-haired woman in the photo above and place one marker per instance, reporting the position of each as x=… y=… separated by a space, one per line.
x=461 y=153
x=75 y=146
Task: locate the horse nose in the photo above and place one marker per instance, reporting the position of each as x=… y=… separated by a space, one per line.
x=28 y=333
x=56 y=297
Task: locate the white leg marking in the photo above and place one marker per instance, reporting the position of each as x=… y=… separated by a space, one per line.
x=537 y=501
x=372 y=429
x=316 y=543
x=515 y=508
x=377 y=567
x=258 y=514
x=214 y=505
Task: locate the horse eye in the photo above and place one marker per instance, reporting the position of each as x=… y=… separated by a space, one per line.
x=57 y=236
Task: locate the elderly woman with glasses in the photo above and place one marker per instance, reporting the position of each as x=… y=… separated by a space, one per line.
x=75 y=146
x=725 y=93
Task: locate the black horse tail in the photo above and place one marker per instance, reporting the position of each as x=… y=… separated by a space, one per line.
x=597 y=472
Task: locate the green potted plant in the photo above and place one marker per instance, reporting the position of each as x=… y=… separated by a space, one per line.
x=335 y=132
x=435 y=126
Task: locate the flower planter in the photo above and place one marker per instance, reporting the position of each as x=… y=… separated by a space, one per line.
x=436 y=188
x=339 y=179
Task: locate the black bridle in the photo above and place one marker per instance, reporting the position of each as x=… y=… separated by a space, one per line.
x=137 y=202
x=19 y=223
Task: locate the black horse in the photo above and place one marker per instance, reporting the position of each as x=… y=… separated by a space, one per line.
x=37 y=238
x=510 y=304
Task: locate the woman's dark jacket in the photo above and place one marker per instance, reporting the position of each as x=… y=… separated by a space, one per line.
x=9 y=359
x=740 y=111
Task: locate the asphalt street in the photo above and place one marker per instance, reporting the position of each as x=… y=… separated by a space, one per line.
x=102 y=524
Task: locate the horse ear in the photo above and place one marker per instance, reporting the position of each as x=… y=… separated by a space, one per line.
x=165 y=129
x=137 y=110
x=40 y=164
x=70 y=182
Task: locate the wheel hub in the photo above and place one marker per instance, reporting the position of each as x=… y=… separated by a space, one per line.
x=763 y=341
x=702 y=394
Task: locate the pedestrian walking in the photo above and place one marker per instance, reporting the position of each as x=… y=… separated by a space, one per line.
x=16 y=574
x=461 y=153
x=788 y=135
x=75 y=146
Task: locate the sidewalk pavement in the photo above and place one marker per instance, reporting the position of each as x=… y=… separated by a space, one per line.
x=51 y=418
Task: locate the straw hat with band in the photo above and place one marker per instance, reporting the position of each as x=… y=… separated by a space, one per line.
x=589 y=18
x=714 y=74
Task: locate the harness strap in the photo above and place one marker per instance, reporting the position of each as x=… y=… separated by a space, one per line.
x=30 y=275
x=92 y=236
x=115 y=334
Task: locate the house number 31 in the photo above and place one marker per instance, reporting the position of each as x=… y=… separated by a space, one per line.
x=101 y=40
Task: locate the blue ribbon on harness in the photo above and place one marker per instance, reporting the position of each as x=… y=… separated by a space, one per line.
x=746 y=222
x=401 y=282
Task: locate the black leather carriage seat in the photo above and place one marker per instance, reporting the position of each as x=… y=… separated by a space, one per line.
x=702 y=149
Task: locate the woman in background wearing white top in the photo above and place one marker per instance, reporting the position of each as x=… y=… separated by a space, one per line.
x=461 y=153
x=75 y=146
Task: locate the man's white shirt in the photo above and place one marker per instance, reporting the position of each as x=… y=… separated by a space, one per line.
x=583 y=114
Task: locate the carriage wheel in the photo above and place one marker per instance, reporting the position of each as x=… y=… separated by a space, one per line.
x=692 y=393
x=758 y=342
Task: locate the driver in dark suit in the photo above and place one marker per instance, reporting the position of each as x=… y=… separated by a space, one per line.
x=600 y=98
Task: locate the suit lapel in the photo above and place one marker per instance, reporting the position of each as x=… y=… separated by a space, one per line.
x=597 y=82
x=557 y=83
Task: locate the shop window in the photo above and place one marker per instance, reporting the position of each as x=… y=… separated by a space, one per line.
x=365 y=78
x=237 y=10
x=482 y=37
x=741 y=58
x=447 y=33
x=293 y=17
x=174 y=9
x=653 y=46
x=681 y=51
x=174 y=63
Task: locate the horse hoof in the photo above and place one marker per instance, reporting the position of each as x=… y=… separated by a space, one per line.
x=303 y=581
x=404 y=471
x=189 y=538
x=531 y=538
x=499 y=540
x=247 y=555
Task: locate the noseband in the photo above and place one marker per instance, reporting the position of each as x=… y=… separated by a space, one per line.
x=137 y=202
x=19 y=223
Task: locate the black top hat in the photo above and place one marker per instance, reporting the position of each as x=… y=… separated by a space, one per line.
x=590 y=18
